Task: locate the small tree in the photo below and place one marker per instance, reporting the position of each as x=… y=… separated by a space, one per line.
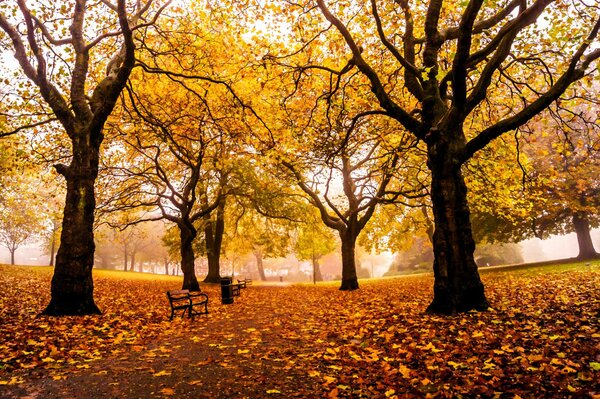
x=19 y=223
x=313 y=242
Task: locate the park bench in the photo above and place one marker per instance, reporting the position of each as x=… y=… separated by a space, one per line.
x=191 y=302
x=245 y=282
x=235 y=288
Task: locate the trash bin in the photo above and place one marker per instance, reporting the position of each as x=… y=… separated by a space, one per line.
x=226 y=290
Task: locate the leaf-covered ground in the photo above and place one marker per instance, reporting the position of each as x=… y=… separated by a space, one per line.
x=542 y=339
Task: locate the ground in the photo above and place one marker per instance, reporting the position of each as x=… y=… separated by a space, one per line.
x=540 y=339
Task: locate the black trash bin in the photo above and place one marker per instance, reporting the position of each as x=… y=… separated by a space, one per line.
x=226 y=290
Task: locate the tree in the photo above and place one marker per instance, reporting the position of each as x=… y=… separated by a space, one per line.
x=347 y=168
x=313 y=242
x=45 y=60
x=19 y=222
x=566 y=169
x=433 y=68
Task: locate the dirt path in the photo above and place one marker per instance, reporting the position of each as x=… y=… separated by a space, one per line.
x=214 y=359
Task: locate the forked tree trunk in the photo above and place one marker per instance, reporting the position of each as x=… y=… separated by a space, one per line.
x=457 y=286
x=584 y=239
x=187 y=235
x=349 y=278
x=72 y=285
x=260 y=266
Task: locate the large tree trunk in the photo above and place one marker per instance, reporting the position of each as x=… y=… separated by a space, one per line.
x=457 y=286
x=214 y=231
x=259 y=265
x=584 y=239
x=317 y=275
x=349 y=278
x=72 y=286
x=187 y=235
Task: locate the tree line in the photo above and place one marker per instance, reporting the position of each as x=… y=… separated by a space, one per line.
x=457 y=121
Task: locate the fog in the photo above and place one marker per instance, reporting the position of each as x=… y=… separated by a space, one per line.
x=533 y=250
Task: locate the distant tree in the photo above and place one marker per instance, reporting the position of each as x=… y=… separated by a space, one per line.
x=566 y=168
x=313 y=242
x=19 y=222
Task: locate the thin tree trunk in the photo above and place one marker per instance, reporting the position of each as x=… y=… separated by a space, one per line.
x=214 y=231
x=349 y=278
x=318 y=276
x=584 y=239
x=52 y=248
x=12 y=256
x=260 y=265
x=187 y=235
x=132 y=261
x=72 y=286
x=457 y=286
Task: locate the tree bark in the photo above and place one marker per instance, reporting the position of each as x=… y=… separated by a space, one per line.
x=187 y=235
x=72 y=285
x=214 y=231
x=584 y=239
x=349 y=278
x=12 y=257
x=457 y=286
x=260 y=266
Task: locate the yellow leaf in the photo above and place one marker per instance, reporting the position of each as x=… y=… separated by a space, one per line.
x=12 y=381
x=313 y=373
x=241 y=351
x=477 y=334
x=454 y=364
x=273 y=391
x=329 y=380
x=571 y=389
x=161 y=373
x=405 y=371
x=389 y=393
x=168 y=391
